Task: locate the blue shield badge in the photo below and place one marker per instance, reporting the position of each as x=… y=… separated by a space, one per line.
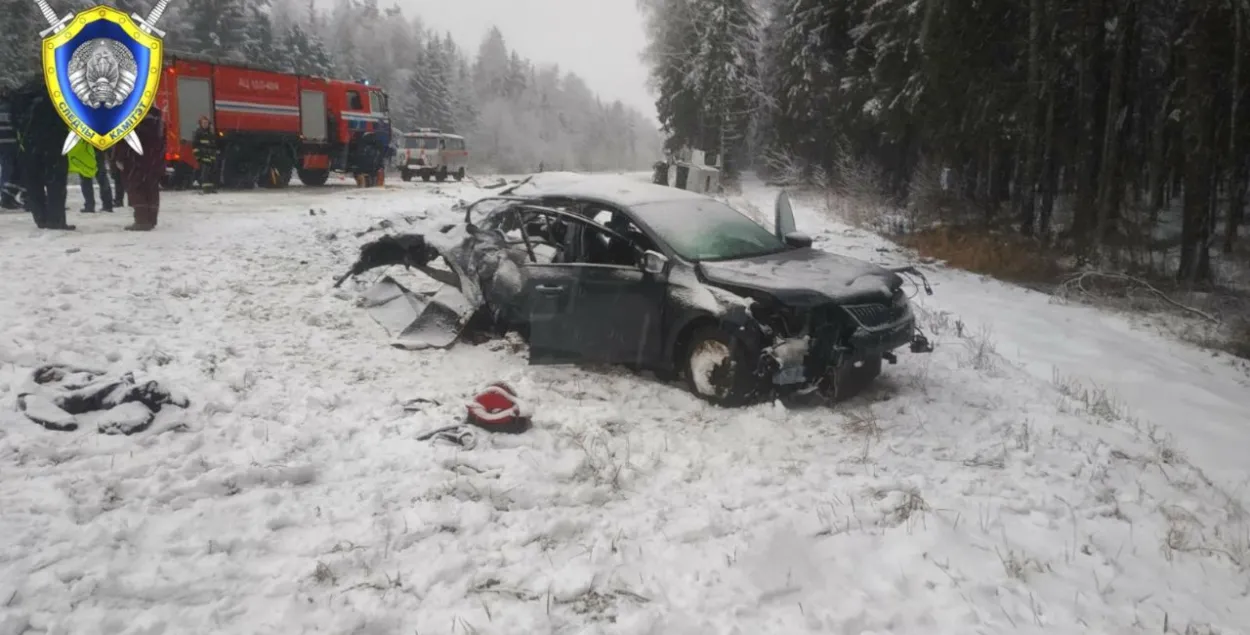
x=102 y=70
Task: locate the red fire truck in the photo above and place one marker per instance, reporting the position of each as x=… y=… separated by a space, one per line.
x=270 y=124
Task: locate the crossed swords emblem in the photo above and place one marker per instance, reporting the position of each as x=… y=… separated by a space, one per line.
x=56 y=25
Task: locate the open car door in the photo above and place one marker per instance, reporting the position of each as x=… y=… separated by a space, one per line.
x=783 y=216
x=583 y=310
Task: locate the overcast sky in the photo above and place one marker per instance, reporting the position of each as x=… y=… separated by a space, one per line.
x=601 y=40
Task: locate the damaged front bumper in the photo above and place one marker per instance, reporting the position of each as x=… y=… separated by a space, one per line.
x=805 y=361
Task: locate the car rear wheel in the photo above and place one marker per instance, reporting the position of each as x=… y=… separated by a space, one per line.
x=716 y=367
x=405 y=175
x=460 y=174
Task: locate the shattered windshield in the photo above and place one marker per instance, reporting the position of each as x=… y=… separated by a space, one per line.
x=707 y=230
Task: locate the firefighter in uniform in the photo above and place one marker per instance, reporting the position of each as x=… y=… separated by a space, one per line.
x=364 y=161
x=204 y=146
x=371 y=160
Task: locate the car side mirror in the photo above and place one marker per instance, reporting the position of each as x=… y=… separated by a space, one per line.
x=798 y=240
x=653 y=262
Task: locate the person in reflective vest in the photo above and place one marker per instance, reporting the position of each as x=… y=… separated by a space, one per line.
x=82 y=161
x=204 y=147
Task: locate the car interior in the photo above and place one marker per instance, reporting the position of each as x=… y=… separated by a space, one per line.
x=557 y=240
x=603 y=249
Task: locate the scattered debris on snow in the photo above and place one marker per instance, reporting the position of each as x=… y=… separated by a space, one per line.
x=956 y=496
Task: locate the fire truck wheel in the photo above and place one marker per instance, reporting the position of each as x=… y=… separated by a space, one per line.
x=275 y=178
x=313 y=177
x=460 y=174
x=405 y=175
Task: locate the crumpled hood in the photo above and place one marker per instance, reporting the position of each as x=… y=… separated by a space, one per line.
x=806 y=277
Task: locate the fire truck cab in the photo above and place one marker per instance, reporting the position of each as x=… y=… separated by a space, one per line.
x=270 y=125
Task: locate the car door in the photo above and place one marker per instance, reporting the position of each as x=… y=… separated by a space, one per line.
x=587 y=311
x=783 y=216
x=548 y=298
x=618 y=310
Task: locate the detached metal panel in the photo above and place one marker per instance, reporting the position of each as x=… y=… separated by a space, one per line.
x=312 y=112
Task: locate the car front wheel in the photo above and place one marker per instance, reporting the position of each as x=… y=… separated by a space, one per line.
x=717 y=369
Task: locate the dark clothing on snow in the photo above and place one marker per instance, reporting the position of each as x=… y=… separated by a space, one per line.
x=68 y=396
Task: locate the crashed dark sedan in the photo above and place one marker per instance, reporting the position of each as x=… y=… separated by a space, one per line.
x=608 y=270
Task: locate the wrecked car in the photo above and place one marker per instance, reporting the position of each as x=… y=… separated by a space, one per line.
x=594 y=269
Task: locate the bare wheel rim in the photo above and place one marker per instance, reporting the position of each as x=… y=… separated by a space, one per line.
x=711 y=368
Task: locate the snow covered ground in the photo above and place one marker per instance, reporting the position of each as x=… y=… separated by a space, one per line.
x=1047 y=469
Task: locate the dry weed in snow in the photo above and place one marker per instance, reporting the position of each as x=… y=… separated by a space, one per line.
x=980 y=352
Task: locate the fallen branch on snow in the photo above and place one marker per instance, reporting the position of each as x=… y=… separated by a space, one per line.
x=1078 y=282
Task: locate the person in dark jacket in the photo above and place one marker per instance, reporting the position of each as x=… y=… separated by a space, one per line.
x=142 y=173
x=45 y=171
x=204 y=147
x=88 y=189
x=8 y=153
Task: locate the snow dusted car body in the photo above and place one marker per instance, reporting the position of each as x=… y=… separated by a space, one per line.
x=607 y=270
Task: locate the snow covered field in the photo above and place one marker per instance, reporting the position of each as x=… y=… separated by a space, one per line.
x=1047 y=469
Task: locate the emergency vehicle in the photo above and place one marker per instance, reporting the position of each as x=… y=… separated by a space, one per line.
x=270 y=124
x=429 y=153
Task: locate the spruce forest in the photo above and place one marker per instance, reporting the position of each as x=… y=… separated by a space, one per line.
x=516 y=114
x=1115 y=129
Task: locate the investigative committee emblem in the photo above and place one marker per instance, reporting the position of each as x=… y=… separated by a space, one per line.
x=102 y=68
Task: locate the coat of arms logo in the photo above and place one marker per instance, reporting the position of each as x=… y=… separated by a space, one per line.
x=102 y=68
